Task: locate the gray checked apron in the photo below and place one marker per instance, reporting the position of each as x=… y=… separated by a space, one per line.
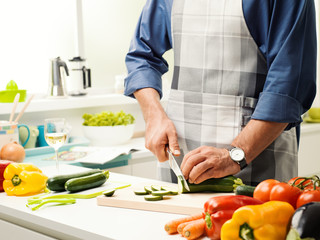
x=218 y=75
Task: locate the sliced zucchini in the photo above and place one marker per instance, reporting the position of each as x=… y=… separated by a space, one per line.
x=140 y=192
x=153 y=198
x=160 y=193
x=148 y=189
x=155 y=187
x=109 y=192
x=172 y=190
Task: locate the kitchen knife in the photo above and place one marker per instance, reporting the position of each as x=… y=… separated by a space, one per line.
x=176 y=169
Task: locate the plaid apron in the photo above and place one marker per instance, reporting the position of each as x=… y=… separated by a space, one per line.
x=218 y=75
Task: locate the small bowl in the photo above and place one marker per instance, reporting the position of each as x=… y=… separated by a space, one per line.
x=108 y=135
x=7 y=96
x=314 y=113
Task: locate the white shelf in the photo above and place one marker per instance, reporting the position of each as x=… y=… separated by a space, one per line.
x=49 y=104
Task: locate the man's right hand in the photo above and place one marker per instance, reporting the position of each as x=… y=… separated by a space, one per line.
x=160 y=130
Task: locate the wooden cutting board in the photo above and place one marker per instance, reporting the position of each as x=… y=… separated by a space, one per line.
x=191 y=203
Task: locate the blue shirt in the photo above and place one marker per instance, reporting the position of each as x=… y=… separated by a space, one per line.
x=285 y=33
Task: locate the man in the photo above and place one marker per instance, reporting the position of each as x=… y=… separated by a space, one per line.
x=245 y=72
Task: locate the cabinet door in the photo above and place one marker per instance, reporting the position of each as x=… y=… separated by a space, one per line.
x=12 y=231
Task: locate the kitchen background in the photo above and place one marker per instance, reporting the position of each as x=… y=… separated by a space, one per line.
x=35 y=31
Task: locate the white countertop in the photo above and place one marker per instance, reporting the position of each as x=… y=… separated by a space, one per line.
x=85 y=219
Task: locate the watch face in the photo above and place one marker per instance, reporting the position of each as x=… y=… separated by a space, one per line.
x=237 y=154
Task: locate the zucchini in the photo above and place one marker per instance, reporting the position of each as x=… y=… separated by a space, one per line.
x=160 y=193
x=86 y=182
x=155 y=187
x=109 y=193
x=245 y=190
x=140 y=192
x=153 y=198
x=57 y=183
x=172 y=190
x=148 y=189
x=225 y=184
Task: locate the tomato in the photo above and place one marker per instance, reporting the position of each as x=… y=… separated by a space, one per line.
x=286 y=193
x=310 y=187
x=305 y=182
x=308 y=196
x=263 y=189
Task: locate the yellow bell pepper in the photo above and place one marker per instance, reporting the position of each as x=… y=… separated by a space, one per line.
x=266 y=221
x=23 y=179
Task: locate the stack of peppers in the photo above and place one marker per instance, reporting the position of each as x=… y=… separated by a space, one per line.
x=23 y=179
x=219 y=209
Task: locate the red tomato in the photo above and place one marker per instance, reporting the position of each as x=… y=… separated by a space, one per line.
x=310 y=187
x=263 y=189
x=286 y=193
x=306 y=182
x=308 y=196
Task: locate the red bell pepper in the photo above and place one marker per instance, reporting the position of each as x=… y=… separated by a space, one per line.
x=219 y=209
x=3 y=165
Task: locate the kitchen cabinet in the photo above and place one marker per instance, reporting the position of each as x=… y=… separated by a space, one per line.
x=12 y=231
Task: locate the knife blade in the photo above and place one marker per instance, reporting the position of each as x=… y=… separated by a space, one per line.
x=176 y=169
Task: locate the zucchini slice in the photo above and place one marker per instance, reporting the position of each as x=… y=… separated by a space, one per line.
x=148 y=189
x=109 y=193
x=140 y=192
x=172 y=190
x=155 y=187
x=160 y=193
x=153 y=198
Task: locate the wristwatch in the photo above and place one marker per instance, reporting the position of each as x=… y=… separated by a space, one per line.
x=237 y=155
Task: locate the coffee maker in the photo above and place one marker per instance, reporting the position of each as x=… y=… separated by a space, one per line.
x=80 y=77
x=57 y=78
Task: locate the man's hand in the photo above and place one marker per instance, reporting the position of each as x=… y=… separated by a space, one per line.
x=208 y=162
x=160 y=131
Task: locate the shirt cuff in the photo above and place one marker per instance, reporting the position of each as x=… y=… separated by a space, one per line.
x=277 y=107
x=142 y=78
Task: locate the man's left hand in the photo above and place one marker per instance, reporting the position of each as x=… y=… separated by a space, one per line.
x=208 y=162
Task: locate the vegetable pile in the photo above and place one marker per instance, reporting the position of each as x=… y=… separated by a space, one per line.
x=267 y=211
x=107 y=119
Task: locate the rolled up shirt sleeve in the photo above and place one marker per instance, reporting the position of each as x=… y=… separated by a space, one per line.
x=290 y=48
x=152 y=38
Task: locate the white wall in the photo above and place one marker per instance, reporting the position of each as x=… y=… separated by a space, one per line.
x=33 y=31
